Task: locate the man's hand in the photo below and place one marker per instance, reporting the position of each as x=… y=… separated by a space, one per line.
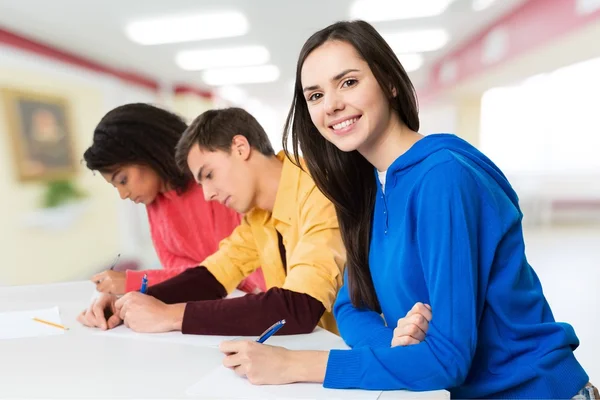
x=143 y=313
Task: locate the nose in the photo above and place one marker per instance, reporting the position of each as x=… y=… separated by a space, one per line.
x=333 y=103
x=209 y=192
x=123 y=193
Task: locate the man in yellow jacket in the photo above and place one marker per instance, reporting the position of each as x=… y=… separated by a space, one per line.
x=290 y=230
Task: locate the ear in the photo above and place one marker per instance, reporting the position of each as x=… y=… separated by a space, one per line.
x=394 y=91
x=240 y=147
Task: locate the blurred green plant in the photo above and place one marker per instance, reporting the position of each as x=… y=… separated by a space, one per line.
x=61 y=192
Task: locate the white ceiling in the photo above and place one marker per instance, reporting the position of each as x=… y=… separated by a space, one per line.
x=96 y=30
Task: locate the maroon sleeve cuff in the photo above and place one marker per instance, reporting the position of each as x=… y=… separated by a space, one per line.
x=194 y=284
x=252 y=314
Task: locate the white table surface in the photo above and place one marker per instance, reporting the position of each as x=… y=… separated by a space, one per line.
x=84 y=364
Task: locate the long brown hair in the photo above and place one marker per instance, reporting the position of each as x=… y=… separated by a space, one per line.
x=347 y=178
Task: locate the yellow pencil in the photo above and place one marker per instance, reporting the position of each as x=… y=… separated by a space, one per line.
x=51 y=324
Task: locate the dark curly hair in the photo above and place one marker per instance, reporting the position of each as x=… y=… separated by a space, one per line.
x=140 y=134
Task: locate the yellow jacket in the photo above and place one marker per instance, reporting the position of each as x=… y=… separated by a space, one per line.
x=315 y=254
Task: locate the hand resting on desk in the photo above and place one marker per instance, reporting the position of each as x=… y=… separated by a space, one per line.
x=143 y=313
x=101 y=313
x=139 y=312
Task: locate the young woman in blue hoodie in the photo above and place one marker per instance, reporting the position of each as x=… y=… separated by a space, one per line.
x=424 y=219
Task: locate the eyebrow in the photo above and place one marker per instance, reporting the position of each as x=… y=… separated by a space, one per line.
x=199 y=175
x=335 y=78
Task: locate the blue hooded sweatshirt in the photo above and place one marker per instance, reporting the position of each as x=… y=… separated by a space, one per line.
x=447 y=231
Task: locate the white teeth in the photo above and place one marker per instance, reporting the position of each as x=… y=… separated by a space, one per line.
x=345 y=123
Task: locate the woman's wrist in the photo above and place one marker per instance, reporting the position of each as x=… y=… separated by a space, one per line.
x=307 y=366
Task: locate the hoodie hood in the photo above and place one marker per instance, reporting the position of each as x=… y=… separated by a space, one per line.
x=444 y=141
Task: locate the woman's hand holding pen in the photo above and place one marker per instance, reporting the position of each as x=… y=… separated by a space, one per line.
x=271 y=365
x=143 y=313
x=109 y=281
x=101 y=313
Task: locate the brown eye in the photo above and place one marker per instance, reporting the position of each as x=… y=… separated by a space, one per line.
x=315 y=96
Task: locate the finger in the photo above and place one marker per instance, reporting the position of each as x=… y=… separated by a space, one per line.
x=120 y=301
x=240 y=370
x=410 y=330
x=113 y=321
x=232 y=360
x=415 y=332
x=89 y=319
x=97 y=310
x=420 y=321
x=231 y=346
x=103 y=286
x=81 y=317
x=425 y=310
x=123 y=311
x=413 y=319
x=420 y=308
x=404 y=341
x=99 y=277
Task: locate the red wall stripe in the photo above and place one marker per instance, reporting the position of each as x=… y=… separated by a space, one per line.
x=186 y=89
x=20 y=42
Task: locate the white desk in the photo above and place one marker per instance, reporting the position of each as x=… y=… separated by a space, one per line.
x=83 y=364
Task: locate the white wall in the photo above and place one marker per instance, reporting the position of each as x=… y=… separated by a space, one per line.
x=105 y=225
x=440 y=117
x=544 y=133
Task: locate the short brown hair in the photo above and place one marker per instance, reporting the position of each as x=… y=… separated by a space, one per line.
x=215 y=129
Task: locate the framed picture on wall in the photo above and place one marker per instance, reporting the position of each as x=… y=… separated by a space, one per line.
x=40 y=131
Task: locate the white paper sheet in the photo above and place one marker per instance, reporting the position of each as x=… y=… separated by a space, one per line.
x=223 y=383
x=172 y=337
x=20 y=324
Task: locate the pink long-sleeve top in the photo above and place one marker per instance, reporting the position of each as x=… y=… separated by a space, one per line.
x=185 y=229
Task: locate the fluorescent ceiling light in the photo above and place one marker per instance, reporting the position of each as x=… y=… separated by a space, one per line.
x=195 y=60
x=387 y=10
x=189 y=28
x=411 y=62
x=235 y=76
x=479 y=5
x=417 y=41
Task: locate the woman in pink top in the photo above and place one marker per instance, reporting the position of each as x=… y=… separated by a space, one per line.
x=134 y=150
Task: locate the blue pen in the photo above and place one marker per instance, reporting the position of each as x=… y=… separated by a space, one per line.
x=144 y=284
x=271 y=331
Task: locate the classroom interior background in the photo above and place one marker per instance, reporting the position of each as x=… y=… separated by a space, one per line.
x=517 y=78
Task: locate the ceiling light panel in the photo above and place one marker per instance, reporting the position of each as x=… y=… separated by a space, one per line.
x=195 y=60
x=188 y=28
x=389 y=10
x=410 y=62
x=241 y=75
